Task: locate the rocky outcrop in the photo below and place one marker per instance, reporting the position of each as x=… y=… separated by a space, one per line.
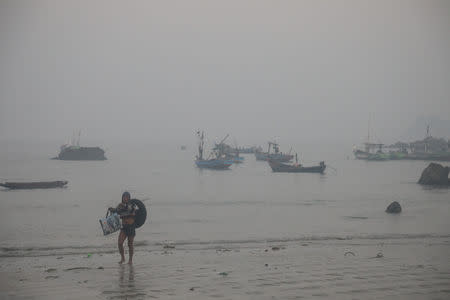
x=394 y=208
x=435 y=174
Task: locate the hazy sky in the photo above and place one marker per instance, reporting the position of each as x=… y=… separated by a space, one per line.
x=255 y=69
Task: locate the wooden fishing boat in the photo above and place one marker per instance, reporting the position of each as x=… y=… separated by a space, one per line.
x=217 y=164
x=276 y=155
x=73 y=151
x=218 y=161
x=34 y=185
x=296 y=168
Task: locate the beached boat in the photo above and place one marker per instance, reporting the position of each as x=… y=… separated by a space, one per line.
x=218 y=161
x=276 y=155
x=296 y=168
x=34 y=185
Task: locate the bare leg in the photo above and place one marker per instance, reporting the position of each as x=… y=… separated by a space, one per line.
x=120 y=241
x=130 y=249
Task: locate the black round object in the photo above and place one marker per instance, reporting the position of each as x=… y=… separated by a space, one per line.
x=141 y=213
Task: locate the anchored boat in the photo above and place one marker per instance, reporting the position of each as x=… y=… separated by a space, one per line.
x=296 y=168
x=217 y=160
x=276 y=155
x=34 y=185
x=73 y=151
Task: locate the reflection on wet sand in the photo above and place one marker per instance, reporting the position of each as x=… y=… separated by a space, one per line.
x=126 y=287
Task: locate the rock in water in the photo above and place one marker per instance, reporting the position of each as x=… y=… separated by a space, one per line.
x=435 y=174
x=394 y=208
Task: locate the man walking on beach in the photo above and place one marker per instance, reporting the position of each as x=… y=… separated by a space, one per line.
x=127 y=212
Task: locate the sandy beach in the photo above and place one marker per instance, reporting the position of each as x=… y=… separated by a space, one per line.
x=409 y=268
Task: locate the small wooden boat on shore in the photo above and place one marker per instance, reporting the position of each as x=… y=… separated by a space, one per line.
x=296 y=168
x=34 y=185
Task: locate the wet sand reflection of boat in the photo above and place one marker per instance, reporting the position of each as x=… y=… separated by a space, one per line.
x=34 y=185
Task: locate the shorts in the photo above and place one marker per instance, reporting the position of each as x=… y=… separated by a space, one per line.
x=129 y=229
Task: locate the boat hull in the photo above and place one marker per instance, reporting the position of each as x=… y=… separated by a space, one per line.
x=361 y=154
x=81 y=153
x=34 y=185
x=216 y=164
x=285 y=168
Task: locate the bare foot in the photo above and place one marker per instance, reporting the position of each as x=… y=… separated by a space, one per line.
x=130 y=262
x=121 y=261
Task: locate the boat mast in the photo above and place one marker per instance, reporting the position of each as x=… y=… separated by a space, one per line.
x=200 y=144
x=426 y=138
x=368 y=136
x=78 y=141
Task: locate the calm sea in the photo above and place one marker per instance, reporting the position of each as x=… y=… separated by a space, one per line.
x=206 y=208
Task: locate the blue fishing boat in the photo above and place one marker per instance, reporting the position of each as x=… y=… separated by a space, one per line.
x=218 y=161
x=218 y=164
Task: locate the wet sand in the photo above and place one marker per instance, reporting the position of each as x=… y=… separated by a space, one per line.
x=356 y=269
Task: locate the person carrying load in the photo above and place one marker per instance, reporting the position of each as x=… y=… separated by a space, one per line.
x=127 y=211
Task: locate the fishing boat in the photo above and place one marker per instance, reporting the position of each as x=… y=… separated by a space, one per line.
x=372 y=151
x=73 y=151
x=217 y=159
x=379 y=156
x=34 y=185
x=275 y=156
x=278 y=166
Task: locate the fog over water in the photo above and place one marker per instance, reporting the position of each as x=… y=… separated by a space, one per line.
x=139 y=78
x=158 y=70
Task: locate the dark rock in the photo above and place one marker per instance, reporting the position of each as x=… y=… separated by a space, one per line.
x=435 y=174
x=394 y=208
x=50 y=270
x=77 y=268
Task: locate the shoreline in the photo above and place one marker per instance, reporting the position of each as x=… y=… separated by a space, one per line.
x=143 y=245
x=338 y=269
